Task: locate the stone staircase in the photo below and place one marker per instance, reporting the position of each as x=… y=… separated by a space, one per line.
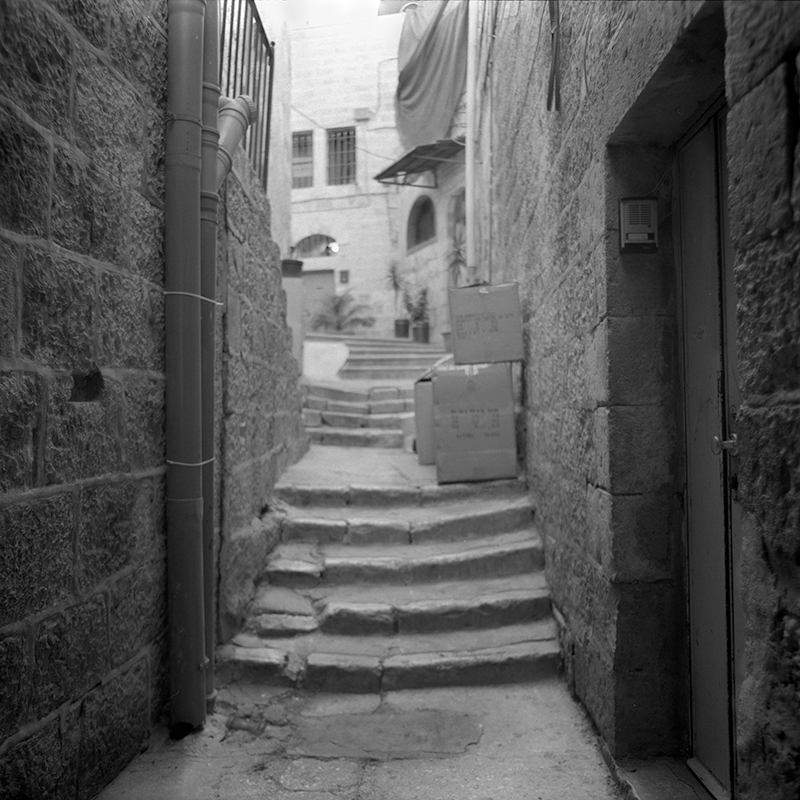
x=354 y=417
x=376 y=359
x=381 y=588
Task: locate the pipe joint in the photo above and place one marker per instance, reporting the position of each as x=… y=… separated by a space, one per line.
x=234 y=118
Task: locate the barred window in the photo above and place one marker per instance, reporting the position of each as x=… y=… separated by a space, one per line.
x=341 y=156
x=302 y=160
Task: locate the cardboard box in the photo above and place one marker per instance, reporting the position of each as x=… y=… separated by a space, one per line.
x=486 y=324
x=423 y=412
x=423 y=419
x=474 y=424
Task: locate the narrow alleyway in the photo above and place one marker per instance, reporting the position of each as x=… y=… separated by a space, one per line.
x=400 y=647
x=384 y=581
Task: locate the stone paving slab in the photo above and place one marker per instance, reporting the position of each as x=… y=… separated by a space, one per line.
x=511 y=742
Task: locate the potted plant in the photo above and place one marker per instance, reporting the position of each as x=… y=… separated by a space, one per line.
x=394 y=280
x=456 y=263
x=341 y=313
x=417 y=307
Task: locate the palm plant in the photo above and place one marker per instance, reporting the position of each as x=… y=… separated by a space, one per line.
x=395 y=281
x=341 y=313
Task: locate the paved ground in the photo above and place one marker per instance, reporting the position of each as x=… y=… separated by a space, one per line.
x=515 y=742
x=527 y=741
x=326 y=465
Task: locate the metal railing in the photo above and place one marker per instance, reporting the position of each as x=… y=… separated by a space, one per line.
x=247 y=60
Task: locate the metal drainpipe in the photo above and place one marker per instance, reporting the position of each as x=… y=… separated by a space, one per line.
x=184 y=497
x=209 y=206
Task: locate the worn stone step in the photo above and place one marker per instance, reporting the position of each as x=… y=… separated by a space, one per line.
x=443 y=607
x=386 y=497
x=347 y=419
x=358 y=395
x=356 y=372
x=378 y=359
x=326 y=662
x=279 y=611
x=412 y=525
x=388 y=406
x=423 y=608
x=361 y=437
x=301 y=565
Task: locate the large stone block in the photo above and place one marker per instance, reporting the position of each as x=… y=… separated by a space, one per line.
x=83 y=438
x=58 y=310
x=769 y=479
x=114 y=728
x=38 y=767
x=16 y=681
x=36 y=556
x=759 y=34
x=87 y=211
x=24 y=172
x=637 y=284
x=36 y=62
x=155 y=151
x=90 y=17
x=594 y=684
x=242 y=559
x=137 y=610
x=641 y=360
x=131 y=322
x=144 y=431
x=768 y=285
x=144 y=248
x=138 y=47
x=9 y=283
x=650 y=714
x=70 y=654
x=761 y=599
x=109 y=120
x=635 y=448
x=115 y=531
x=760 y=158
x=20 y=428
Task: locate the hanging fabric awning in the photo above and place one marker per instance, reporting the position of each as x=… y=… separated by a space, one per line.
x=425 y=158
x=432 y=63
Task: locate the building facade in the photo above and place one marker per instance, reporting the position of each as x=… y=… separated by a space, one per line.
x=343 y=81
x=661 y=382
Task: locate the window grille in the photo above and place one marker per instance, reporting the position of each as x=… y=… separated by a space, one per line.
x=246 y=64
x=344 y=276
x=341 y=156
x=302 y=160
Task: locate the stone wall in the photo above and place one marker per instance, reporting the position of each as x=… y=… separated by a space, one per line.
x=604 y=442
x=600 y=353
x=82 y=549
x=261 y=427
x=763 y=124
x=83 y=644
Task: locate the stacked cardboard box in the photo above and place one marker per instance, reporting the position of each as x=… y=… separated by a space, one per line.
x=465 y=411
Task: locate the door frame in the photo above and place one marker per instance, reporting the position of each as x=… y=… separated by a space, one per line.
x=715 y=114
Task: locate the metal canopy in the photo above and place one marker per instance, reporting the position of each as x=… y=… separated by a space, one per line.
x=424 y=158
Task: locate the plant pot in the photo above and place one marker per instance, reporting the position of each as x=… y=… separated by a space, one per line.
x=401 y=328
x=421 y=332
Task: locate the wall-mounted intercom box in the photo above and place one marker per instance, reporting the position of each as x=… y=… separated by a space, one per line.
x=638 y=225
